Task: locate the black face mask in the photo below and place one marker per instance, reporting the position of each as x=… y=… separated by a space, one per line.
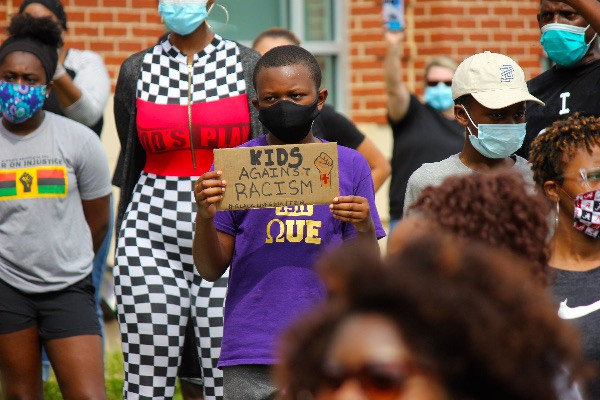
x=288 y=121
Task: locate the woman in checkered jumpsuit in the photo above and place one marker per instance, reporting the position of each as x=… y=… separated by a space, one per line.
x=167 y=134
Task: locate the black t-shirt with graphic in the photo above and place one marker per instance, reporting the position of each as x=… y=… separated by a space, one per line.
x=565 y=92
x=424 y=135
x=578 y=296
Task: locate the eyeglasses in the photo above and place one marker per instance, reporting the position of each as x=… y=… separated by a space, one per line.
x=590 y=176
x=435 y=83
x=378 y=381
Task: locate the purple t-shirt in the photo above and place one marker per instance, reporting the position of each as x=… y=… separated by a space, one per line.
x=272 y=281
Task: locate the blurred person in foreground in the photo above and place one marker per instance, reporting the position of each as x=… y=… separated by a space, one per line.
x=404 y=332
x=502 y=210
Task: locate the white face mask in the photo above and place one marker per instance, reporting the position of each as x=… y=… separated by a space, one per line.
x=497 y=140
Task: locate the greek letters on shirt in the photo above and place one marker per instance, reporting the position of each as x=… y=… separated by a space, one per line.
x=293 y=230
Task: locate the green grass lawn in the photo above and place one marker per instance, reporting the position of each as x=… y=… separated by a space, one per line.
x=113 y=376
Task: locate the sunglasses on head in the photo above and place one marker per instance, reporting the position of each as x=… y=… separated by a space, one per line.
x=377 y=380
x=435 y=83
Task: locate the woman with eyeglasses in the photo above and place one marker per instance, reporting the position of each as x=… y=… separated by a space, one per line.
x=566 y=166
x=443 y=318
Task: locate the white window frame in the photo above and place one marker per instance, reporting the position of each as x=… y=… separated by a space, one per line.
x=337 y=48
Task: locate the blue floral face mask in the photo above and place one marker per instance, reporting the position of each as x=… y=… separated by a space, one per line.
x=183 y=16
x=497 y=140
x=439 y=96
x=565 y=44
x=19 y=102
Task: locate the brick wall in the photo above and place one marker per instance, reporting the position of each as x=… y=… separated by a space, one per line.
x=459 y=28
x=113 y=28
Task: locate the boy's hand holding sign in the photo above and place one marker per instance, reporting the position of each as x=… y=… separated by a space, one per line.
x=272 y=176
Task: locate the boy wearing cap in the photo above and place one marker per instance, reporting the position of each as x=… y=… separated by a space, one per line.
x=489 y=92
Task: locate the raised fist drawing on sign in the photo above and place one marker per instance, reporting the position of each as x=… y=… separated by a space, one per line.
x=324 y=164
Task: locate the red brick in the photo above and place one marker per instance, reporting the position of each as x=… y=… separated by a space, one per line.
x=131 y=45
x=490 y=24
x=503 y=11
x=88 y=3
x=466 y=23
x=114 y=30
x=151 y=4
x=114 y=3
x=76 y=16
x=148 y=32
x=153 y=18
x=86 y=30
x=101 y=16
x=447 y=36
x=102 y=46
x=129 y=16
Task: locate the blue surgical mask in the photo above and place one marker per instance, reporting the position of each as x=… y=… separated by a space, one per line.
x=19 y=102
x=497 y=140
x=439 y=96
x=565 y=44
x=183 y=16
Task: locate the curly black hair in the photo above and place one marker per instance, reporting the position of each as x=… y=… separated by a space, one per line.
x=468 y=313
x=44 y=30
x=552 y=150
x=499 y=209
x=40 y=36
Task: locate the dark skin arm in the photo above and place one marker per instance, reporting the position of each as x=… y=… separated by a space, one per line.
x=212 y=249
x=355 y=210
x=97 y=214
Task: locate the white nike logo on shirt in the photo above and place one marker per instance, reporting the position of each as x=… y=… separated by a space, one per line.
x=566 y=312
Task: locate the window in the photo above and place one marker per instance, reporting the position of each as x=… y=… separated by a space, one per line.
x=319 y=24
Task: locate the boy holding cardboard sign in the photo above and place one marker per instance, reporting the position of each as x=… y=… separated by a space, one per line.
x=272 y=250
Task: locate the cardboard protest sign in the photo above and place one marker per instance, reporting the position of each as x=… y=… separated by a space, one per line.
x=274 y=176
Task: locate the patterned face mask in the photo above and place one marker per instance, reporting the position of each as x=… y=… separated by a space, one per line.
x=19 y=102
x=587 y=213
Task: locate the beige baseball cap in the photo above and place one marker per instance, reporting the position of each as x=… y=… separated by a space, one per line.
x=494 y=80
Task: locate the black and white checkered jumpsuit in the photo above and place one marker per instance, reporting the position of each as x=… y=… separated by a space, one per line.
x=156 y=283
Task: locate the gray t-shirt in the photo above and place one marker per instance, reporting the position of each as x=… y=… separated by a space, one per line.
x=433 y=174
x=45 y=241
